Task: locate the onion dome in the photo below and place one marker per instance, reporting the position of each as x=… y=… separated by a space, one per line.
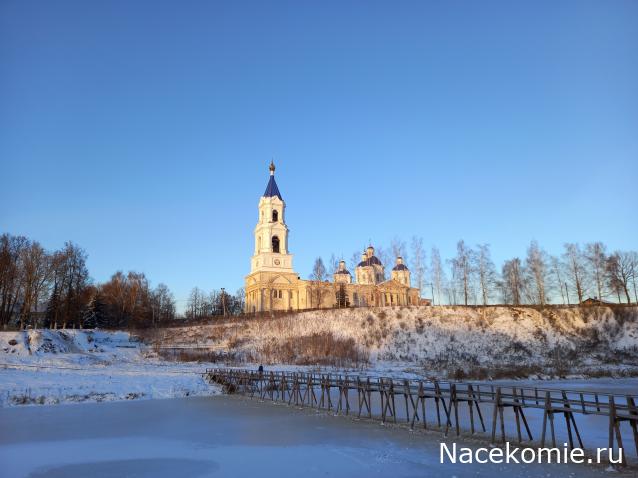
x=369 y=259
x=400 y=266
x=342 y=268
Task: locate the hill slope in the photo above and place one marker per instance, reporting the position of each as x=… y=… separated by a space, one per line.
x=443 y=341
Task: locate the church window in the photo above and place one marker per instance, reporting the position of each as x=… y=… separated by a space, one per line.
x=275 y=244
x=275 y=216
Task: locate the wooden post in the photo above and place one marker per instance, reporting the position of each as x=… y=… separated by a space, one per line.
x=633 y=414
x=498 y=413
x=614 y=427
x=394 y=409
x=470 y=404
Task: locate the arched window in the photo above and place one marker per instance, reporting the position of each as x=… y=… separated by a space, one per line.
x=259 y=244
x=275 y=215
x=275 y=244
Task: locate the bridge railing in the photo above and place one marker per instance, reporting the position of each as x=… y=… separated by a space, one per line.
x=451 y=405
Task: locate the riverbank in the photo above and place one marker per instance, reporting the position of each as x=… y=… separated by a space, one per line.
x=52 y=367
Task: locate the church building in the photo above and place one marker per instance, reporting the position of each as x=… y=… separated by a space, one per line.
x=274 y=285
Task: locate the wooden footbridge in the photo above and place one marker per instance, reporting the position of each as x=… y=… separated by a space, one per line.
x=448 y=406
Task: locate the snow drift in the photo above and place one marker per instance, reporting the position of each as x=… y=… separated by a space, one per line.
x=62 y=366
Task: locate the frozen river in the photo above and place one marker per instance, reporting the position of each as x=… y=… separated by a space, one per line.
x=223 y=436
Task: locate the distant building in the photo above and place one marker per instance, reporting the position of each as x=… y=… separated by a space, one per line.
x=273 y=284
x=595 y=301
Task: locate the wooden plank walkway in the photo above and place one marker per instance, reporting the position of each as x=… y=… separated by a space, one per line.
x=402 y=400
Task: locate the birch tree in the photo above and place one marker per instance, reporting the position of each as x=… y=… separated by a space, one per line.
x=355 y=258
x=596 y=257
x=512 y=285
x=558 y=276
x=621 y=270
x=463 y=270
x=418 y=263
x=486 y=272
x=398 y=249
x=574 y=262
x=536 y=268
x=318 y=276
x=437 y=273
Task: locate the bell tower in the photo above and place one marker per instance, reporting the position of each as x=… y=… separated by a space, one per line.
x=271 y=233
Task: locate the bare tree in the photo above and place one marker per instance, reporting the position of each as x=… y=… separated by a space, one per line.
x=596 y=259
x=418 y=263
x=162 y=305
x=240 y=301
x=197 y=303
x=36 y=272
x=621 y=270
x=355 y=258
x=333 y=265
x=486 y=272
x=536 y=269
x=398 y=249
x=451 y=286
x=69 y=299
x=437 y=273
x=558 y=276
x=633 y=257
x=463 y=270
x=318 y=271
x=318 y=276
x=575 y=264
x=11 y=269
x=385 y=256
x=512 y=286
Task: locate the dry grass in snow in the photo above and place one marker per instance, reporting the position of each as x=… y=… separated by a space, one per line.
x=451 y=341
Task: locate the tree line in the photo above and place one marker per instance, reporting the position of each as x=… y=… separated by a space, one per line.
x=214 y=303
x=53 y=289
x=471 y=277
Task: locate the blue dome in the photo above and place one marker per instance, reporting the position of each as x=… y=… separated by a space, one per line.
x=373 y=260
x=272 y=189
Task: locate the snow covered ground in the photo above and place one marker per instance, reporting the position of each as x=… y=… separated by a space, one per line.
x=200 y=436
x=443 y=341
x=48 y=367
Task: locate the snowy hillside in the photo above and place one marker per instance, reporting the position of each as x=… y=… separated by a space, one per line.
x=54 y=366
x=450 y=341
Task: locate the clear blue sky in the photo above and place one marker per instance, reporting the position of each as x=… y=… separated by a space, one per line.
x=143 y=130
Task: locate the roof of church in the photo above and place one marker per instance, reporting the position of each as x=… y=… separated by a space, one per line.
x=370 y=261
x=344 y=271
x=400 y=267
x=272 y=189
x=393 y=282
